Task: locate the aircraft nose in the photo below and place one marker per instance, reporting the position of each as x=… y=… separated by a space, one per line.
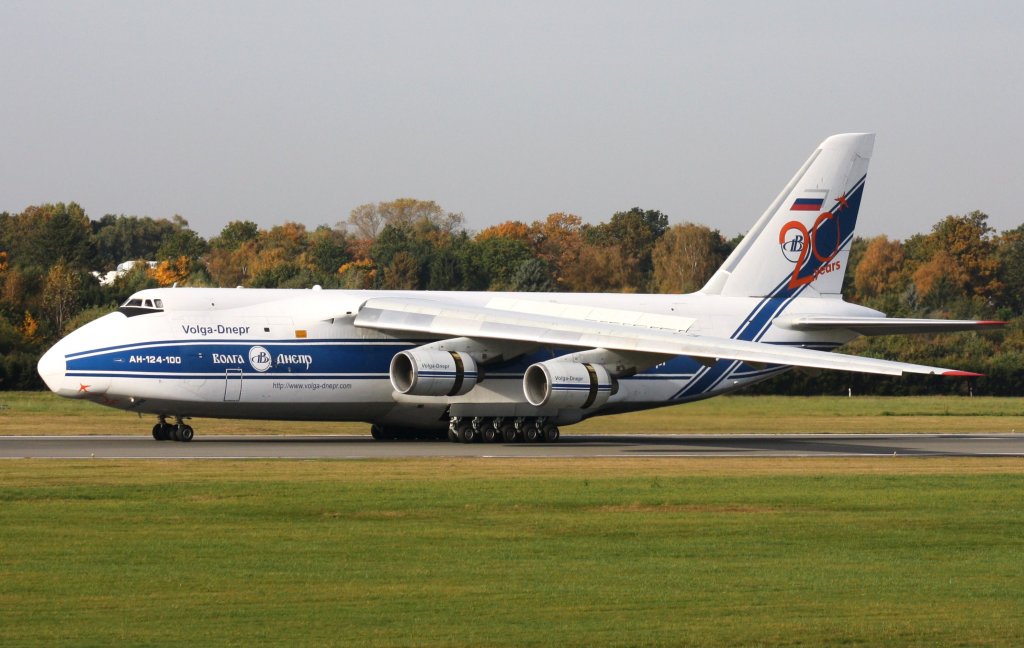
x=52 y=367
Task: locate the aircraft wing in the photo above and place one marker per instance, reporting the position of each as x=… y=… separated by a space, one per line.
x=450 y=319
x=885 y=325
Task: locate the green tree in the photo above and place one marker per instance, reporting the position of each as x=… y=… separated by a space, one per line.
x=402 y=272
x=635 y=233
x=122 y=238
x=533 y=275
x=500 y=258
x=456 y=265
x=68 y=236
x=328 y=251
x=1011 y=263
x=41 y=235
x=234 y=235
x=182 y=242
x=402 y=256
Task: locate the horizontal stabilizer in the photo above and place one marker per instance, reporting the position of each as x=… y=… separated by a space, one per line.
x=884 y=325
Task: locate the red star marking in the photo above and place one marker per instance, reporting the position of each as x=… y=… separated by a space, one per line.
x=842 y=202
x=83 y=388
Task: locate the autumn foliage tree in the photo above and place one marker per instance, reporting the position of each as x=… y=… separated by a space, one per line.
x=60 y=293
x=685 y=257
x=169 y=273
x=880 y=266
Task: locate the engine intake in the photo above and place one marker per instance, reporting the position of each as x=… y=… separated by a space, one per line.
x=567 y=384
x=420 y=372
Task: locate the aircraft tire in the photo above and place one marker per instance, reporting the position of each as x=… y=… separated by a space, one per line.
x=465 y=432
x=377 y=432
x=489 y=434
x=530 y=433
x=185 y=433
x=508 y=432
x=550 y=433
x=158 y=432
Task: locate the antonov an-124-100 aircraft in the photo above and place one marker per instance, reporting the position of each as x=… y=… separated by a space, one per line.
x=498 y=366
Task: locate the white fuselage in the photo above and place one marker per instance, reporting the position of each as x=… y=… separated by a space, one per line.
x=297 y=354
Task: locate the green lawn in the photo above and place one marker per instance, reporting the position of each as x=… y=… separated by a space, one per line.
x=45 y=413
x=492 y=552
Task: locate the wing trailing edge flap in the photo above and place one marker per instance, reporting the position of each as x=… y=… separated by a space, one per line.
x=452 y=319
x=884 y=325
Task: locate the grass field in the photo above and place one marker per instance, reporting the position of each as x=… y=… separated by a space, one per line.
x=45 y=413
x=810 y=552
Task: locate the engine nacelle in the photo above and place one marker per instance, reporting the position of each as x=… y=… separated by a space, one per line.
x=567 y=384
x=422 y=372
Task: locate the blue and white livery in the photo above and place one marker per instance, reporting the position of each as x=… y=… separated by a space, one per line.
x=498 y=366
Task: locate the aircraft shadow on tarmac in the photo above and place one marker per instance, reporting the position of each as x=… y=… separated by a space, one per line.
x=646 y=444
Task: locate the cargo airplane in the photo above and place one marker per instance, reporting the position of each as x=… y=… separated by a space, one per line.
x=498 y=366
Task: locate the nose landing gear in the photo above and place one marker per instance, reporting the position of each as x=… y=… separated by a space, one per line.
x=179 y=431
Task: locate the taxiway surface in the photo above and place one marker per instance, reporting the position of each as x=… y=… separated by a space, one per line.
x=359 y=447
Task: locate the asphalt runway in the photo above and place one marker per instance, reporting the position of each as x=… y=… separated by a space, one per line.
x=363 y=447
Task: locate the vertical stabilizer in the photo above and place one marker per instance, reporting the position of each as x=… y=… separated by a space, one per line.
x=802 y=242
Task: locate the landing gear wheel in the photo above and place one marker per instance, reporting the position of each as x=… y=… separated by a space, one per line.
x=377 y=432
x=465 y=432
x=551 y=433
x=530 y=433
x=160 y=432
x=488 y=431
x=508 y=432
x=185 y=433
x=452 y=436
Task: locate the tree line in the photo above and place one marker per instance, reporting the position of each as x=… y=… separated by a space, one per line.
x=50 y=255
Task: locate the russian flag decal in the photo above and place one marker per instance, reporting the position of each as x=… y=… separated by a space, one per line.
x=811 y=200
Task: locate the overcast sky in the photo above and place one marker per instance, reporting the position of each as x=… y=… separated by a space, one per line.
x=221 y=111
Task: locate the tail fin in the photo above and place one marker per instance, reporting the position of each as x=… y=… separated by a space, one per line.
x=801 y=243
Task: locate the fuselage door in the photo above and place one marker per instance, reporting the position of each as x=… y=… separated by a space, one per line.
x=233 y=385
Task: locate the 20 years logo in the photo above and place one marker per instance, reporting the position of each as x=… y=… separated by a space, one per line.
x=799 y=243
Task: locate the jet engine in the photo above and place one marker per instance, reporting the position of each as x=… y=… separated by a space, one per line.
x=423 y=372
x=567 y=384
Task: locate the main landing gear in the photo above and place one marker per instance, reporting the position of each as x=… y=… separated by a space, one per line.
x=502 y=429
x=179 y=431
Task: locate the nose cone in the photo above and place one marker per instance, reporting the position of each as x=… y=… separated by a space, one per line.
x=52 y=367
x=57 y=366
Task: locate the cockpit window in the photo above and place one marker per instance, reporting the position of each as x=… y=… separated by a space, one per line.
x=137 y=306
